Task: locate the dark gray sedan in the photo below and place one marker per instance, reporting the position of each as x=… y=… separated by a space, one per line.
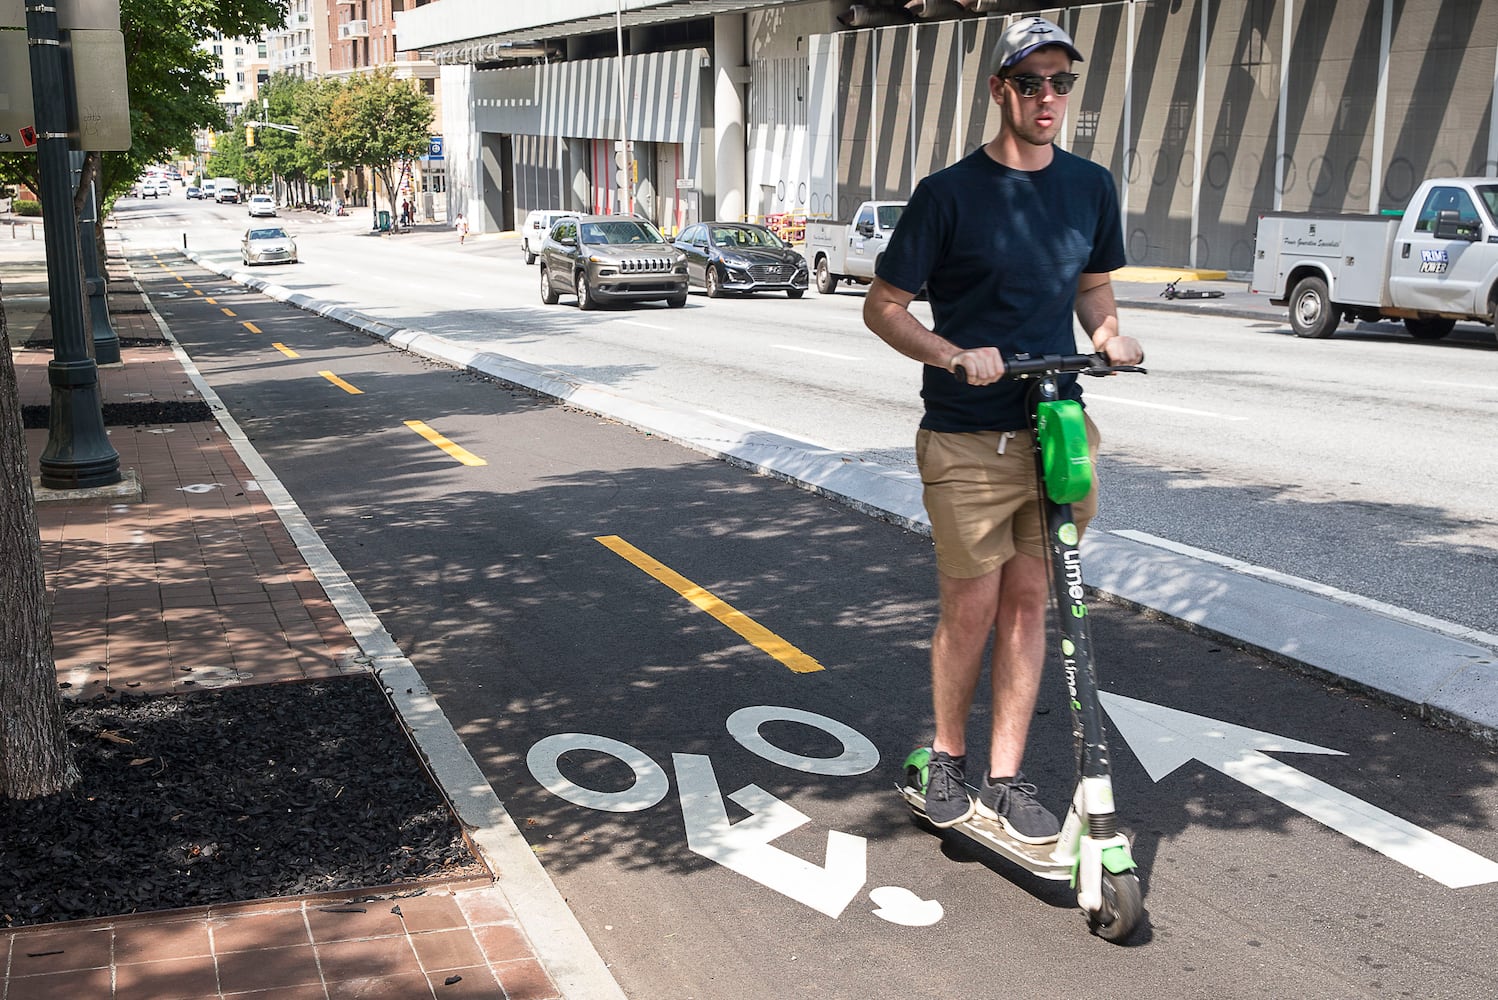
x=741 y=257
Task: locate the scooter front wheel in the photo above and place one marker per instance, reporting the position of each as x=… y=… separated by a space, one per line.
x=1123 y=907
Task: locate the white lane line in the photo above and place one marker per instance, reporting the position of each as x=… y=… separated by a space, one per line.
x=820 y=354
x=1461 y=385
x=1090 y=395
x=1312 y=587
x=648 y=326
x=763 y=427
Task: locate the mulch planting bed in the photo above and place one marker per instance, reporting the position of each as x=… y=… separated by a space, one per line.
x=228 y=796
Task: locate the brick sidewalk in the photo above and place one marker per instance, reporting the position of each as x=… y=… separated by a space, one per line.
x=199 y=585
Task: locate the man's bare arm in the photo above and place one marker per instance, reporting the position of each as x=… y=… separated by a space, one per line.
x=886 y=311
x=1098 y=313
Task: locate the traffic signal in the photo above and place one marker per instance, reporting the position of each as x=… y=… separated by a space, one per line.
x=249 y=136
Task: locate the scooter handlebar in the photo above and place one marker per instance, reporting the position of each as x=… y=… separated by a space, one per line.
x=1025 y=366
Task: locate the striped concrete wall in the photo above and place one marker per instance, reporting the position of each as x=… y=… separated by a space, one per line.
x=1208 y=112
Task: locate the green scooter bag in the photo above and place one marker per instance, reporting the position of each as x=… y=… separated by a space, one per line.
x=1062 y=431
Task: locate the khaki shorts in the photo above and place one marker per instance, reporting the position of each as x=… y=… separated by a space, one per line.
x=983 y=505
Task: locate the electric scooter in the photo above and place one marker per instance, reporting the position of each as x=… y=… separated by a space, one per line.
x=1090 y=852
x=1172 y=292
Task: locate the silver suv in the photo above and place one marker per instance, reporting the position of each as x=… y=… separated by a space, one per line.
x=604 y=258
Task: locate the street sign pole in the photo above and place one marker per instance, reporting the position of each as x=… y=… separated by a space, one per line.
x=78 y=453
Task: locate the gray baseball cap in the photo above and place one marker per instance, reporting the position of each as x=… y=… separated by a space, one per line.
x=1025 y=36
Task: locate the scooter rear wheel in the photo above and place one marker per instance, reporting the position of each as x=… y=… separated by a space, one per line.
x=1123 y=907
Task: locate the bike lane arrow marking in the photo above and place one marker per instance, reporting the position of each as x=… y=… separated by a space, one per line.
x=744 y=847
x=1164 y=738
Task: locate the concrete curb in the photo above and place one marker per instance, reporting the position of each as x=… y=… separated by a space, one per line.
x=1435 y=674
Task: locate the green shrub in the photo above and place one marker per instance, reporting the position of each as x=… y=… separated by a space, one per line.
x=22 y=206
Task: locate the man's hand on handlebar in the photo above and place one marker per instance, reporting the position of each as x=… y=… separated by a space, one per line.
x=979 y=366
x=1121 y=350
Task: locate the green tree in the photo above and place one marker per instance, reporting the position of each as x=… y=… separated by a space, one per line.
x=313 y=106
x=226 y=158
x=378 y=121
x=281 y=153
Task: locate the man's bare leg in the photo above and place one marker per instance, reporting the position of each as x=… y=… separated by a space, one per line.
x=968 y=610
x=1018 y=660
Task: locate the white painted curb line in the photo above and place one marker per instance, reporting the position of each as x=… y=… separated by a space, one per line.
x=555 y=935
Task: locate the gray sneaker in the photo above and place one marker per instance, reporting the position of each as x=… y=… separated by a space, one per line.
x=1011 y=801
x=947 y=801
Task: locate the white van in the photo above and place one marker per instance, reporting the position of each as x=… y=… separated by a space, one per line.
x=538 y=223
x=226 y=190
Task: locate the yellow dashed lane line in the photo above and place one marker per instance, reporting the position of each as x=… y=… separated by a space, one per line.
x=741 y=623
x=461 y=454
x=340 y=383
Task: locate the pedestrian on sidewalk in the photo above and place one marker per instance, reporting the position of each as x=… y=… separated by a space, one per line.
x=1052 y=235
x=461 y=225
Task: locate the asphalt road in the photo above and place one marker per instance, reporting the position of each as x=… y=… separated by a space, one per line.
x=1357 y=463
x=503 y=584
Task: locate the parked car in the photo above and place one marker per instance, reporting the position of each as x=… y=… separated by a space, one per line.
x=538 y=223
x=741 y=257
x=262 y=206
x=267 y=245
x=603 y=258
x=194 y=193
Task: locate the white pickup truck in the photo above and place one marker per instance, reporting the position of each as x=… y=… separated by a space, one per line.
x=849 y=251
x=1430 y=266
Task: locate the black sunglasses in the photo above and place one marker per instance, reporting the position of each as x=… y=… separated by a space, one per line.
x=1028 y=84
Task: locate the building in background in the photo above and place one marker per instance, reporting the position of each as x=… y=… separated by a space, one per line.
x=244 y=65
x=1208 y=112
x=361 y=38
x=301 y=48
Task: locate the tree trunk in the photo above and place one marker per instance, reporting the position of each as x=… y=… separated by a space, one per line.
x=35 y=758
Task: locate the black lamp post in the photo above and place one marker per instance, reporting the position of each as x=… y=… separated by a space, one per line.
x=78 y=453
x=106 y=341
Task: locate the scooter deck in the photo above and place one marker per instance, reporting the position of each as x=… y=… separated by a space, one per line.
x=1037 y=859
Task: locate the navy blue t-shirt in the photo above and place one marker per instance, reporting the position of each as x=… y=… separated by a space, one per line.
x=1000 y=252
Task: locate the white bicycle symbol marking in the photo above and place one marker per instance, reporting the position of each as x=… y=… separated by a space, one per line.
x=745 y=847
